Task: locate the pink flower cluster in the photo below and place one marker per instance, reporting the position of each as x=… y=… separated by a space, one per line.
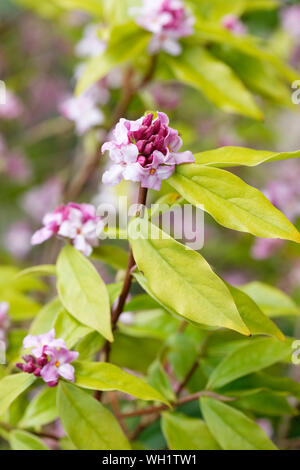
x=144 y=151
x=169 y=21
x=12 y=108
x=77 y=222
x=49 y=358
x=4 y=320
x=234 y=24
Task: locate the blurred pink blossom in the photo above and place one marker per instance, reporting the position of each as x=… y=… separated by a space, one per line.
x=290 y=18
x=84 y=110
x=12 y=108
x=17 y=167
x=168 y=20
x=263 y=248
x=41 y=199
x=234 y=24
x=266 y=425
x=166 y=96
x=91 y=45
x=145 y=150
x=17 y=239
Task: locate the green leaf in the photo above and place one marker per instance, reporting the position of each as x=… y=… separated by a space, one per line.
x=232 y=202
x=21 y=307
x=82 y=291
x=184 y=433
x=46 y=317
x=249 y=45
x=159 y=379
x=232 y=429
x=235 y=156
x=41 y=410
x=201 y=70
x=181 y=279
x=88 y=424
x=253 y=356
x=11 y=387
x=69 y=329
x=112 y=255
x=22 y=440
x=90 y=345
x=257 y=322
x=266 y=403
x=94 y=7
x=128 y=42
x=114 y=290
x=104 y=376
x=272 y=301
x=124 y=351
x=42 y=270
x=141 y=302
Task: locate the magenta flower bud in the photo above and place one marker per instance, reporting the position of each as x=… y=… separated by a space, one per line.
x=141 y=145
x=29 y=368
x=28 y=358
x=150 y=159
x=142 y=160
x=148 y=148
x=53 y=383
x=156 y=126
x=148 y=120
x=42 y=361
x=159 y=143
x=20 y=366
x=140 y=133
x=37 y=372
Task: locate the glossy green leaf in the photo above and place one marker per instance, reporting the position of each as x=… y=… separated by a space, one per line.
x=46 y=317
x=257 y=322
x=266 y=404
x=254 y=355
x=184 y=433
x=249 y=45
x=22 y=307
x=90 y=345
x=160 y=380
x=41 y=270
x=201 y=70
x=23 y=440
x=182 y=279
x=11 y=387
x=82 y=291
x=104 y=376
x=235 y=156
x=112 y=255
x=232 y=202
x=41 y=410
x=272 y=301
x=69 y=329
x=89 y=425
x=232 y=429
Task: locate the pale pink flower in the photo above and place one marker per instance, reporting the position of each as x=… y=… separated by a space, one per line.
x=12 y=108
x=40 y=343
x=59 y=366
x=17 y=239
x=91 y=45
x=166 y=96
x=169 y=21
x=145 y=151
x=50 y=358
x=77 y=222
x=83 y=110
x=290 y=18
x=234 y=24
